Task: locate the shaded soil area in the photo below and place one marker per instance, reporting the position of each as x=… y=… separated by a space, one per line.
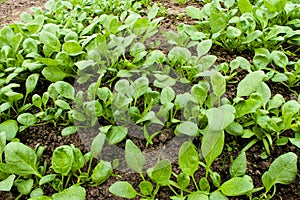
x=49 y=135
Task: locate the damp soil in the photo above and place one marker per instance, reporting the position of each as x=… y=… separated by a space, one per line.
x=49 y=135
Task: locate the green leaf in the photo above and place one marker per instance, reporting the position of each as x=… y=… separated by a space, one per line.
x=20 y=159
x=203 y=47
x=183 y=179
x=146 y=187
x=295 y=141
x=27 y=119
x=116 y=134
x=217 y=195
x=102 y=172
x=218 y=83
x=74 y=192
x=220 y=118
x=97 y=144
x=10 y=128
x=204 y=184
x=235 y=129
x=217 y=22
x=197 y=196
x=31 y=82
x=62 y=160
x=54 y=74
x=162 y=172
x=123 y=189
x=78 y=161
x=237 y=186
x=47 y=179
x=134 y=157
x=283 y=170
x=289 y=109
x=69 y=131
x=167 y=95
x=279 y=59
x=250 y=83
x=244 y=6
x=7 y=184
x=188 y=158
x=239 y=166
x=193 y=12
x=233 y=32
x=65 y=89
x=187 y=128
x=50 y=40
x=212 y=145
x=207 y=61
x=72 y=48
x=275 y=5
x=24 y=186
x=265 y=92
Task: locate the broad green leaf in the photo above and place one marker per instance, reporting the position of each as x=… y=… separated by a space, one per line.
x=27 y=119
x=197 y=196
x=31 y=82
x=30 y=45
x=220 y=118
x=217 y=22
x=7 y=184
x=20 y=159
x=187 y=128
x=279 y=59
x=162 y=172
x=139 y=87
x=217 y=195
x=50 y=40
x=212 y=145
x=233 y=32
x=167 y=95
x=2 y=144
x=146 y=187
x=123 y=189
x=218 y=83
x=247 y=106
x=134 y=157
x=10 y=128
x=235 y=129
x=179 y=54
x=237 y=186
x=250 y=83
x=283 y=170
x=289 y=109
x=97 y=144
x=203 y=47
x=47 y=179
x=275 y=5
x=78 y=161
x=24 y=186
x=183 y=180
x=295 y=141
x=62 y=160
x=102 y=172
x=74 y=192
x=62 y=104
x=200 y=91
x=65 y=89
x=72 y=48
x=193 y=12
x=54 y=74
x=239 y=165
x=188 y=158
x=70 y=130
x=244 y=6
x=155 y=56
x=204 y=184
x=207 y=61
x=116 y=134
x=265 y=92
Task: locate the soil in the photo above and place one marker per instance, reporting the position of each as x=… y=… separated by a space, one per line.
x=49 y=135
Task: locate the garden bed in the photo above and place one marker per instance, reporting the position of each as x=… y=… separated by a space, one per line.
x=218 y=87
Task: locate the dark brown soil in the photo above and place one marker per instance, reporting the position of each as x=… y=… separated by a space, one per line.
x=49 y=136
